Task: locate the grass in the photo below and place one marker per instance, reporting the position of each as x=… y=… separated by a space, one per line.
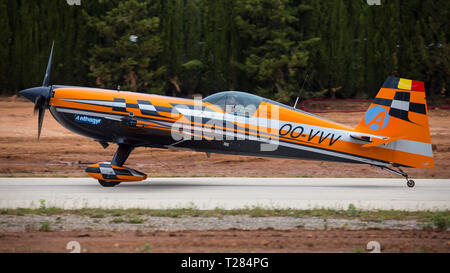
x=135 y=221
x=117 y=220
x=438 y=219
x=45 y=227
x=441 y=220
x=98 y=215
x=147 y=248
x=422 y=250
x=358 y=250
x=352 y=211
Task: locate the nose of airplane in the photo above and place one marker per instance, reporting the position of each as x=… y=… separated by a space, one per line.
x=32 y=93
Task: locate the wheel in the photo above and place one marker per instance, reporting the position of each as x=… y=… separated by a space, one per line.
x=410 y=183
x=108 y=183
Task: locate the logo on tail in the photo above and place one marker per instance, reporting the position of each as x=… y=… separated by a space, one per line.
x=376 y=118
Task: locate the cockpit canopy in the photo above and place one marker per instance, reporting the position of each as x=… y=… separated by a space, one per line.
x=235 y=102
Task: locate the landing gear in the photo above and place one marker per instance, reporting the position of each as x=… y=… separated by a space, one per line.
x=108 y=183
x=409 y=182
x=121 y=155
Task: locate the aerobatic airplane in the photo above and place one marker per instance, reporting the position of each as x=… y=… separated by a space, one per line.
x=393 y=133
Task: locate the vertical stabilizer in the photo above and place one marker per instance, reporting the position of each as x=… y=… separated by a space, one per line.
x=399 y=111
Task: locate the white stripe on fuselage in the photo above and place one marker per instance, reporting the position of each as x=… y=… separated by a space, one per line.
x=402 y=145
x=98 y=102
x=231 y=135
x=147 y=107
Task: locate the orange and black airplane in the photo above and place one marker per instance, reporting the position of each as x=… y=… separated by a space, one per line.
x=393 y=133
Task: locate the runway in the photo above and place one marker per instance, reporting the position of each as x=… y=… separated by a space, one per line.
x=228 y=193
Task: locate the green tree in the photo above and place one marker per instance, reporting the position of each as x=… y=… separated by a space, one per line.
x=5 y=42
x=173 y=41
x=275 y=54
x=192 y=67
x=346 y=47
x=334 y=56
x=118 y=61
x=219 y=53
x=432 y=29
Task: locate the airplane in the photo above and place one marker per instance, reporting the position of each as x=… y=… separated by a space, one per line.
x=393 y=133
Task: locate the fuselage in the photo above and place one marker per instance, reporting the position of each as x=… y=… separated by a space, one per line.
x=264 y=128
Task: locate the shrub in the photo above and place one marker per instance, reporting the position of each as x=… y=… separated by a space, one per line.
x=441 y=220
x=352 y=211
x=45 y=226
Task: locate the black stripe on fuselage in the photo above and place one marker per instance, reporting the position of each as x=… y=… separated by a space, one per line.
x=132 y=105
x=165 y=109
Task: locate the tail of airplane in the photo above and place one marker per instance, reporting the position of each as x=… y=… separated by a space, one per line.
x=399 y=115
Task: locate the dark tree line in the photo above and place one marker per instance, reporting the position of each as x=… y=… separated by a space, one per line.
x=275 y=48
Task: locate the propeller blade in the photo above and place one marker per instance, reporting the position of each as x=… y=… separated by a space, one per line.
x=49 y=67
x=38 y=103
x=40 y=120
x=36 y=109
x=39 y=106
x=41 y=95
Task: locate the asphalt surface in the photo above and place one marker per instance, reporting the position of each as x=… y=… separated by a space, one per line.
x=228 y=193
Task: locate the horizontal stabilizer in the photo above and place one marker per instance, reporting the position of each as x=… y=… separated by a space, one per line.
x=362 y=138
x=380 y=141
x=374 y=141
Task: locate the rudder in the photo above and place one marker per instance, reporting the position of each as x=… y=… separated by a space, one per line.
x=399 y=112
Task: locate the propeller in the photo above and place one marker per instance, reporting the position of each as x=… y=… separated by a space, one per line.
x=40 y=96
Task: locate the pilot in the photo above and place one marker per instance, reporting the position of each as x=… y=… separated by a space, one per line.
x=233 y=105
x=232 y=100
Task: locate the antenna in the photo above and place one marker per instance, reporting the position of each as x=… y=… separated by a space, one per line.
x=296 y=100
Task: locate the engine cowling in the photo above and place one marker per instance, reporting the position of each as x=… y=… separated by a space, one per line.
x=108 y=172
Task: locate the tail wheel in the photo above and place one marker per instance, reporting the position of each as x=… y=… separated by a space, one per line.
x=108 y=183
x=410 y=183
